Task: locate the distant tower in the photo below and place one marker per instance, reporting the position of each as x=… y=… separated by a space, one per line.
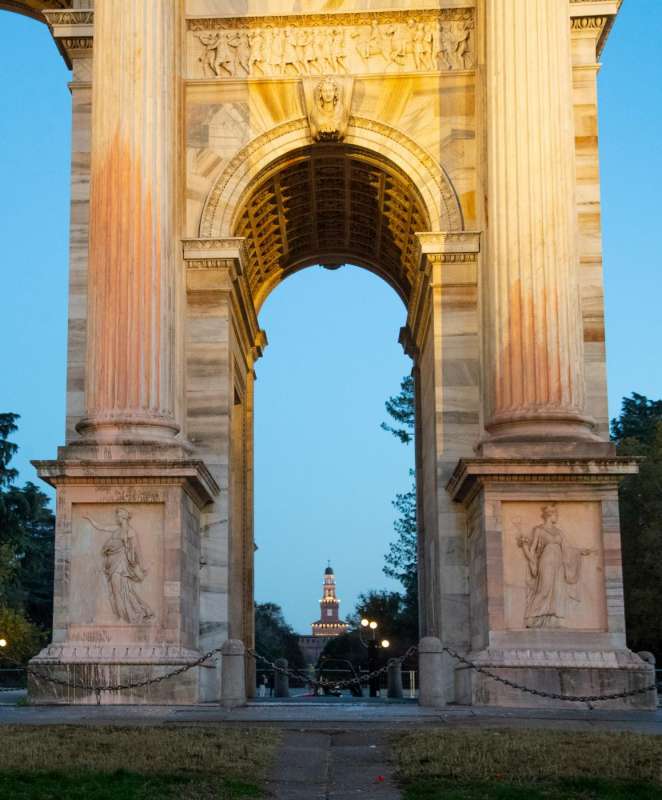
x=329 y=623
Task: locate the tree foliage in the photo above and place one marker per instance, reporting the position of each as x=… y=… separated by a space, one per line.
x=274 y=638
x=24 y=639
x=401 y=408
x=27 y=528
x=638 y=432
x=401 y=560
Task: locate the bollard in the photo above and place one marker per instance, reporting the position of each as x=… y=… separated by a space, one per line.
x=394 y=675
x=281 y=679
x=233 y=677
x=430 y=673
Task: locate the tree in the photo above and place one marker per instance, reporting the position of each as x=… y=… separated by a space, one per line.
x=638 y=432
x=24 y=639
x=393 y=615
x=27 y=528
x=402 y=556
x=401 y=408
x=274 y=638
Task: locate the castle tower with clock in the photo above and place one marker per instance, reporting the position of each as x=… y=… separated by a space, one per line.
x=328 y=625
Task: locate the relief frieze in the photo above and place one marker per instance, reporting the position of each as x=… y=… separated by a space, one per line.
x=339 y=44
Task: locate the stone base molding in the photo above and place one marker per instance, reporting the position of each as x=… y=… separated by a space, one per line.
x=543 y=558
x=127 y=565
x=112 y=666
x=573 y=673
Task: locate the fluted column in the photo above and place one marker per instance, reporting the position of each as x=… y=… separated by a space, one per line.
x=130 y=376
x=533 y=342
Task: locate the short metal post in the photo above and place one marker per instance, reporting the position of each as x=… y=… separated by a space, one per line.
x=394 y=678
x=281 y=678
x=373 y=681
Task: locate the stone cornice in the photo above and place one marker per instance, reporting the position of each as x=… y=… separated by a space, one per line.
x=73 y=30
x=596 y=17
x=192 y=474
x=470 y=474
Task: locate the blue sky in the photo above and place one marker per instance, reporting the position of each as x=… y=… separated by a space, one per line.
x=325 y=472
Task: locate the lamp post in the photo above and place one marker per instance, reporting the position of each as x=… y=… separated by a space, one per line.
x=373 y=646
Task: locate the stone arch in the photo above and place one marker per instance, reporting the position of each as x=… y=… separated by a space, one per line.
x=436 y=189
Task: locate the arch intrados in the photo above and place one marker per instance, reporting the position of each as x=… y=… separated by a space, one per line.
x=393 y=258
x=439 y=197
x=321 y=151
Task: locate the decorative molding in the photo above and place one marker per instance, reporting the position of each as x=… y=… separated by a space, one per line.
x=192 y=474
x=470 y=474
x=319 y=44
x=72 y=16
x=73 y=32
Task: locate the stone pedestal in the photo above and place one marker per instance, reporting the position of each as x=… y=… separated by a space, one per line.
x=545 y=582
x=126 y=580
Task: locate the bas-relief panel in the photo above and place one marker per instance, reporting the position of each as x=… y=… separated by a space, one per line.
x=358 y=43
x=116 y=584
x=553 y=566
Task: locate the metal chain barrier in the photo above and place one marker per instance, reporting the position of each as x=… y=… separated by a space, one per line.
x=120 y=687
x=326 y=684
x=320 y=682
x=588 y=699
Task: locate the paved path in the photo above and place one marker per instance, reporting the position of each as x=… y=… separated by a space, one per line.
x=332 y=765
x=347 y=715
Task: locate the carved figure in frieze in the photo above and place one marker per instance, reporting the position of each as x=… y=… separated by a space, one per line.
x=323 y=50
x=290 y=58
x=257 y=52
x=454 y=44
x=553 y=571
x=423 y=45
x=370 y=44
x=239 y=43
x=123 y=569
x=276 y=50
x=225 y=56
x=339 y=49
x=302 y=39
x=209 y=40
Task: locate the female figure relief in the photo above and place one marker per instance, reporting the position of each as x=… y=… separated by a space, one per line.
x=554 y=568
x=123 y=569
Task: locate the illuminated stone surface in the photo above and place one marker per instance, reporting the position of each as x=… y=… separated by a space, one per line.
x=219 y=146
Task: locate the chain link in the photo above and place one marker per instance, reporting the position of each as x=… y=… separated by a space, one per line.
x=588 y=699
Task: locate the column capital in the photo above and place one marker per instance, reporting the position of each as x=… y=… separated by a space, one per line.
x=217 y=267
x=445 y=258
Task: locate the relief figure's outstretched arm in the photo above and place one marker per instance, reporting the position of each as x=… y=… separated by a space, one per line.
x=102 y=528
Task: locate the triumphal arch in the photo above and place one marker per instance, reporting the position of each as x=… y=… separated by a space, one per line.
x=451 y=148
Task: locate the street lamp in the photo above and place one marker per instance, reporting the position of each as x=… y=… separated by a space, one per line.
x=3 y=643
x=372 y=646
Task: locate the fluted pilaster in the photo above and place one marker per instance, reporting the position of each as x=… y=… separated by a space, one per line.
x=533 y=335
x=132 y=255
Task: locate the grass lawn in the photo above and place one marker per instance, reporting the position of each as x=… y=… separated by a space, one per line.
x=528 y=765
x=138 y=763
